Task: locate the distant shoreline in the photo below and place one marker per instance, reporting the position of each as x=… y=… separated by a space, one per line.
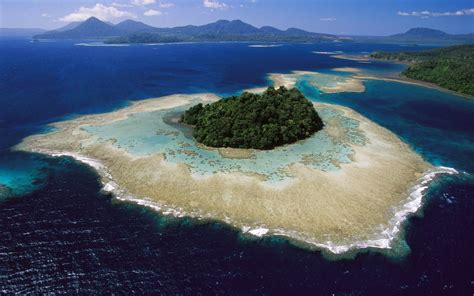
x=402 y=79
x=399 y=77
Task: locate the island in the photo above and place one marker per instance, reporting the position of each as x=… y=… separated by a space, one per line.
x=346 y=187
x=259 y=121
x=451 y=67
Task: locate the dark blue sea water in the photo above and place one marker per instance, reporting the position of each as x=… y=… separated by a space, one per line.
x=59 y=234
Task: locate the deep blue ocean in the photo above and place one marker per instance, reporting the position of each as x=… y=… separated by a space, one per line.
x=60 y=234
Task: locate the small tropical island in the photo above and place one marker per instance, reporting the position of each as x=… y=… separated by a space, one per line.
x=259 y=121
x=451 y=67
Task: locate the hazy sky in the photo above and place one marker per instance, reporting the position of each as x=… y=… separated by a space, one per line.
x=359 y=17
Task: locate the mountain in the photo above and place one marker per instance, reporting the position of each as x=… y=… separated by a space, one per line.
x=427 y=35
x=20 y=32
x=421 y=32
x=69 y=26
x=223 y=30
x=270 y=30
x=92 y=28
x=421 y=36
x=134 y=26
x=235 y=27
x=221 y=27
x=130 y=31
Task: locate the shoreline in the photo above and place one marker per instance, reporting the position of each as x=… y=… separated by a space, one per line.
x=341 y=212
x=341 y=84
x=389 y=235
x=399 y=78
x=402 y=79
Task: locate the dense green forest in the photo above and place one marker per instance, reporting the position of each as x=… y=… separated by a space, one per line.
x=148 y=37
x=276 y=117
x=143 y=38
x=450 y=67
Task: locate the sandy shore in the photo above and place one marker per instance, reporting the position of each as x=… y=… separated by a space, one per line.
x=347 y=69
x=340 y=84
x=347 y=85
x=395 y=78
x=357 y=58
x=350 y=208
x=406 y=80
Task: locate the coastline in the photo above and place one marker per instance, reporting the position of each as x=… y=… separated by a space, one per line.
x=342 y=211
x=399 y=78
x=341 y=84
x=402 y=79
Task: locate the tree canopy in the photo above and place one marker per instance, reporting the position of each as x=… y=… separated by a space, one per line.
x=451 y=67
x=276 y=117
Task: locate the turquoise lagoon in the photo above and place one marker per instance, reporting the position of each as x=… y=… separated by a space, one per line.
x=155 y=133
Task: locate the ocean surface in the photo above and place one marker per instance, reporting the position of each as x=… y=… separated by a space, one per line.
x=60 y=234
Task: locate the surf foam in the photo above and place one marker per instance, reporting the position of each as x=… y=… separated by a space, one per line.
x=387 y=235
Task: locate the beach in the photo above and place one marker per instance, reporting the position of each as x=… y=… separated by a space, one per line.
x=319 y=80
x=402 y=79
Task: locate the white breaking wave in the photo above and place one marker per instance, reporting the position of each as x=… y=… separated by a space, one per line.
x=264 y=45
x=327 y=52
x=100 y=44
x=387 y=235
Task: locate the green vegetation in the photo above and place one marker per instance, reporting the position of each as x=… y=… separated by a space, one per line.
x=143 y=38
x=148 y=37
x=264 y=121
x=451 y=67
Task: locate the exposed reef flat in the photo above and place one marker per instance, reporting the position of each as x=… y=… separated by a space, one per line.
x=347 y=69
x=326 y=83
x=351 y=193
x=357 y=58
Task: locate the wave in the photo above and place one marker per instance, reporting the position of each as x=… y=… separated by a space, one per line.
x=264 y=45
x=327 y=52
x=386 y=238
x=100 y=44
x=392 y=231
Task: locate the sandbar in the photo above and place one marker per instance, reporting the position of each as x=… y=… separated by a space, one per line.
x=347 y=69
x=357 y=58
x=326 y=83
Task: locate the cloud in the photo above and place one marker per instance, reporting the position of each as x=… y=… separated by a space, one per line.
x=427 y=14
x=214 y=4
x=46 y=15
x=166 y=5
x=328 y=19
x=100 y=11
x=143 y=2
x=121 y=5
x=152 y=12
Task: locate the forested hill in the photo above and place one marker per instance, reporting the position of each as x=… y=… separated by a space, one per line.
x=130 y=31
x=450 y=67
x=258 y=121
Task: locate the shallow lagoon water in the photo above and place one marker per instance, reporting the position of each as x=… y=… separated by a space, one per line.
x=65 y=236
x=148 y=133
x=436 y=124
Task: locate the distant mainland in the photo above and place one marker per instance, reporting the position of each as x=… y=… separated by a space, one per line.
x=451 y=67
x=130 y=31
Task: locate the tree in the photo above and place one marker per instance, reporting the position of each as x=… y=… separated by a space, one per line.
x=277 y=117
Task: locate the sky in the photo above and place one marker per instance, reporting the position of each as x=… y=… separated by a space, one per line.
x=344 y=17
